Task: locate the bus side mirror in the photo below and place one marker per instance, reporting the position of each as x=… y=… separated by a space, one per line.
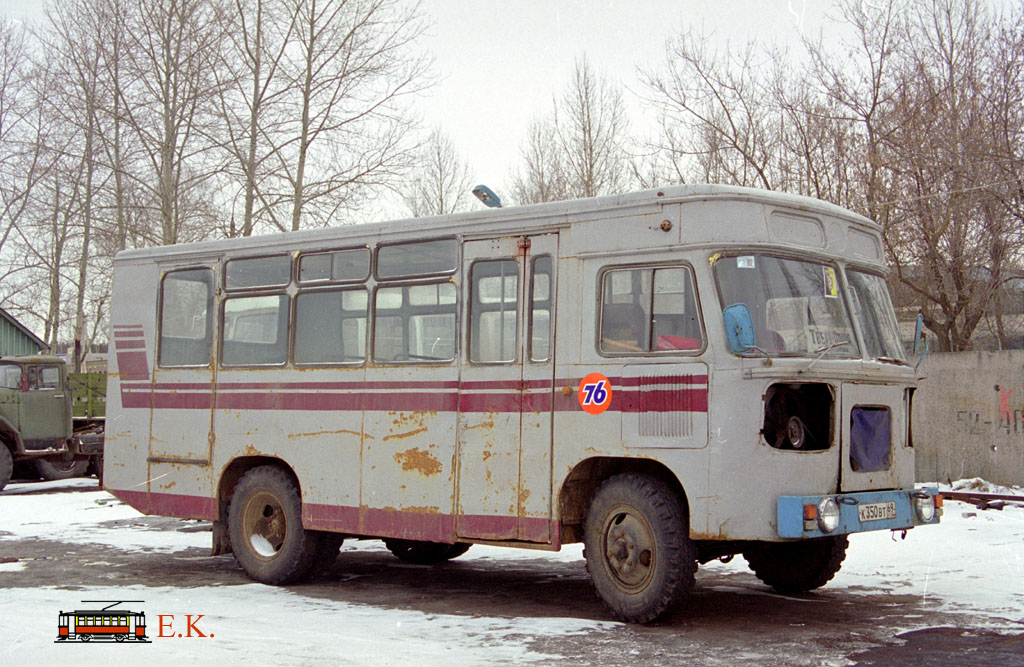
x=739 y=328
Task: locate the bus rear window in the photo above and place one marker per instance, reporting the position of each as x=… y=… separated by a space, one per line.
x=185 y=328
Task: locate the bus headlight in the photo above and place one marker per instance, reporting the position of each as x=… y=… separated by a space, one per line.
x=924 y=505
x=828 y=515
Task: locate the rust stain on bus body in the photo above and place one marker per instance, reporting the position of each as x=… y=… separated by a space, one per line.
x=338 y=432
x=420 y=460
x=405 y=435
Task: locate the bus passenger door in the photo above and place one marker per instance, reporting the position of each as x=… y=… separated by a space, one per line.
x=181 y=425
x=504 y=431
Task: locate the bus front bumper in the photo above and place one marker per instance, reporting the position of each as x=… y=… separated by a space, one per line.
x=816 y=516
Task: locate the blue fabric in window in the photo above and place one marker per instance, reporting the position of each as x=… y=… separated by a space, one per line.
x=870 y=439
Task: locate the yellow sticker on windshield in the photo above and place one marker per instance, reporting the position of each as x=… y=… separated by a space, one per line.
x=831 y=285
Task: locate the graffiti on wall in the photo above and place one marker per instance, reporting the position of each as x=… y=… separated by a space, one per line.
x=1011 y=414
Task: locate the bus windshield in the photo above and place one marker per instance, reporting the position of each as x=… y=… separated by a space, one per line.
x=873 y=311
x=795 y=305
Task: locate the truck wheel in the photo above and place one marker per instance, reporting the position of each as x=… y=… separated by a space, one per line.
x=6 y=465
x=425 y=553
x=638 y=550
x=57 y=467
x=798 y=567
x=265 y=528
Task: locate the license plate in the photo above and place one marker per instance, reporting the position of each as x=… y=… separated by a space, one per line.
x=876 y=511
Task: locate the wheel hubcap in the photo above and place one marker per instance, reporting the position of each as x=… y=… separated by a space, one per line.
x=629 y=549
x=795 y=432
x=266 y=526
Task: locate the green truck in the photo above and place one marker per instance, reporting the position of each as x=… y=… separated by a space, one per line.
x=50 y=417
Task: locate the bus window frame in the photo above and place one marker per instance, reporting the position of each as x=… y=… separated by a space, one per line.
x=434 y=279
x=248 y=294
x=375 y=268
x=842 y=286
x=292 y=269
x=470 y=312
x=323 y=287
x=529 y=308
x=211 y=308
x=653 y=266
x=323 y=282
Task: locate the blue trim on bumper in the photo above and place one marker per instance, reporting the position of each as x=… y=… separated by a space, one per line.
x=791 y=512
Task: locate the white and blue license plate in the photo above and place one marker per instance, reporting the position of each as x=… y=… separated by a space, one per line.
x=876 y=511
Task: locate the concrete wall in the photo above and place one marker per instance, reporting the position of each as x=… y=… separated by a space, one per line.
x=968 y=417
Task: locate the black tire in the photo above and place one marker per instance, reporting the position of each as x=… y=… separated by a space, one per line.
x=425 y=553
x=798 y=567
x=638 y=549
x=265 y=528
x=327 y=547
x=58 y=467
x=6 y=465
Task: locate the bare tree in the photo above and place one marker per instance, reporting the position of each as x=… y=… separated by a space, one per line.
x=913 y=120
x=167 y=103
x=590 y=123
x=544 y=175
x=351 y=71
x=20 y=164
x=74 y=46
x=576 y=151
x=253 y=92
x=443 y=181
x=713 y=112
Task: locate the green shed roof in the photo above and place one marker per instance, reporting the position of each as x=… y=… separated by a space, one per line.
x=15 y=338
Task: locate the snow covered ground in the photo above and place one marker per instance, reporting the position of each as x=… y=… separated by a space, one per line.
x=971 y=565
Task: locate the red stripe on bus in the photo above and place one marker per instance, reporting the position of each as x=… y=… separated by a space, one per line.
x=674 y=400
x=408 y=525
x=132 y=365
x=169 y=504
x=133 y=344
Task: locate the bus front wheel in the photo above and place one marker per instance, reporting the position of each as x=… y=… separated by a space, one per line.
x=265 y=528
x=798 y=567
x=637 y=546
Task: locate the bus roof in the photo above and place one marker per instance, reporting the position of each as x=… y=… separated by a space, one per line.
x=521 y=218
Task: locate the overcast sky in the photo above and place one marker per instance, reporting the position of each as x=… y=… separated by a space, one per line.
x=500 y=62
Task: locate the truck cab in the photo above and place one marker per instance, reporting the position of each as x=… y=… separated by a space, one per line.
x=35 y=415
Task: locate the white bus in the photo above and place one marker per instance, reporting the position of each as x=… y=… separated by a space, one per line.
x=668 y=376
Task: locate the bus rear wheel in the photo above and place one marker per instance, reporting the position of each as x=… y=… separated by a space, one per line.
x=425 y=553
x=265 y=528
x=638 y=550
x=798 y=567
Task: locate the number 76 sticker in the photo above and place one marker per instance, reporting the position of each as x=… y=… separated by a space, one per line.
x=595 y=393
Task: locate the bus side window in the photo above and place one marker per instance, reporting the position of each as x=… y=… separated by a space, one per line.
x=495 y=299
x=540 y=310
x=414 y=323
x=255 y=330
x=186 y=331
x=330 y=327
x=649 y=310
